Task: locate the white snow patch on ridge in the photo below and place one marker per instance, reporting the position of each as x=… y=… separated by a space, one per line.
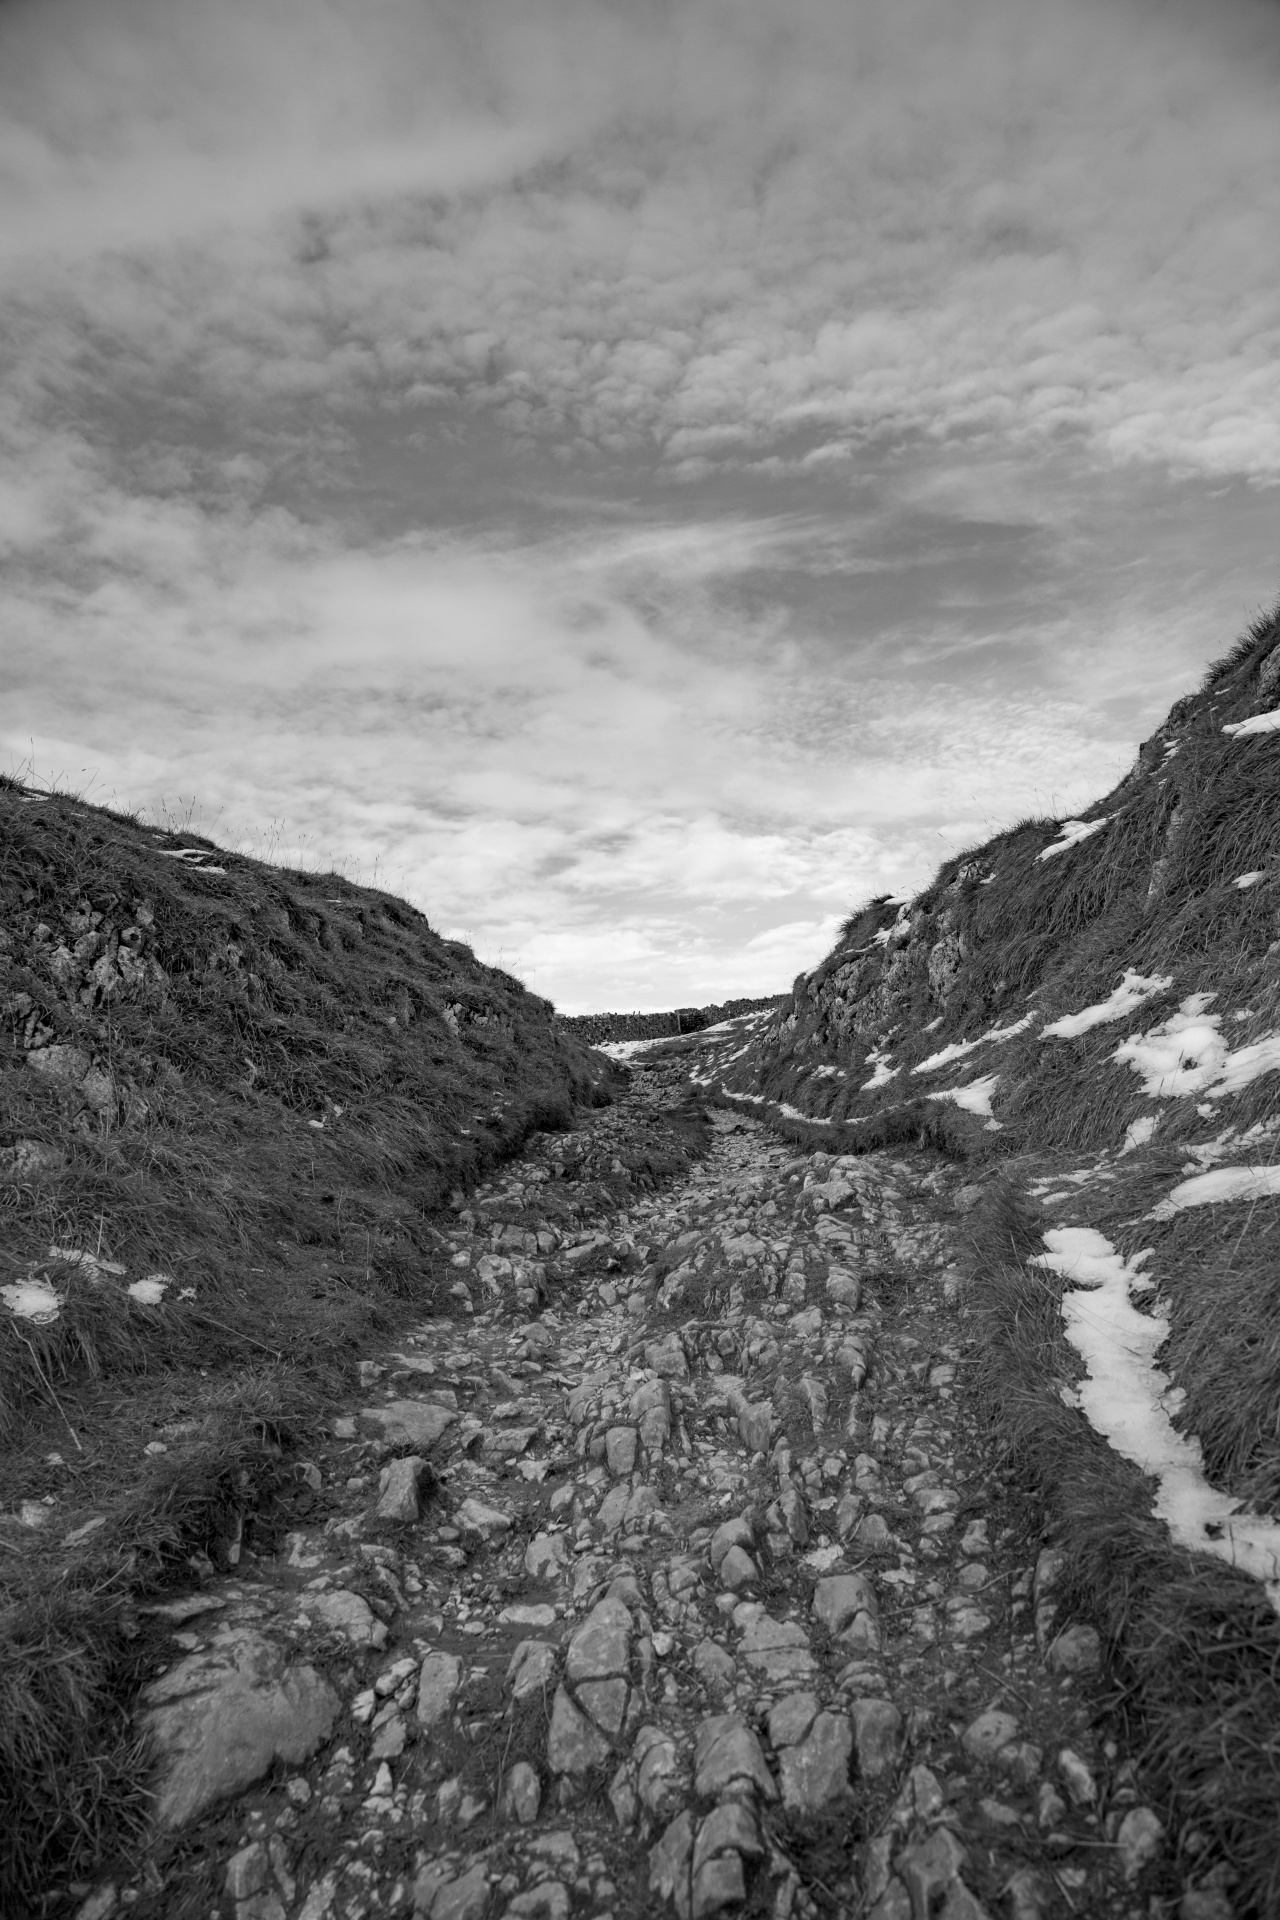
x=975 y=1098
x=958 y=1048
x=1223 y=1183
x=1071 y=833
x=1128 y=1400
x=1134 y=988
x=1256 y=723
x=1138 y=1132
x=883 y=1074
x=1187 y=1054
x=1250 y=879
x=32 y=1300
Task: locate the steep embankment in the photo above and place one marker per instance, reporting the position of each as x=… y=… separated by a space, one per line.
x=1088 y=1012
x=230 y=1099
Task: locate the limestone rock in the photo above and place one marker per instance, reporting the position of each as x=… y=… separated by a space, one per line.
x=817 y=1771
x=983 y=1738
x=839 y=1598
x=410 y=1423
x=877 y=1732
x=221 y=1717
x=725 y=1836
x=398 y=1488
x=346 y=1613
x=929 y=1868
x=791 y=1718
x=574 y=1745
x=714 y=1666
x=532 y=1668
x=521 y=1794
x=438 y=1683
x=621 y=1445
x=727 y=1758
x=659 y=1776
x=1076 y=1650
x=777 y=1648
x=480 y=1521
x=1139 y=1839
x=669 y=1862
x=601 y=1645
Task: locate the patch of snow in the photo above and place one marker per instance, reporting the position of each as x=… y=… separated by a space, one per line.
x=1071 y=833
x=1138 y=1132
x=1250 y=879
x=627 y=1049
x=934 y=1024
x=1256 y=723
x=1134 y=988
x=975 y=1098
x=958 y=1048
x=149 y=1292
x=194 y=859
x=810 y=1119
x=32 y=1300
x=1128 y=1399
x=884 y=1073
x=1187 y=1054
x=1223 y=1183
x=945 y=1055
x=887 y=935
x=80 y=1257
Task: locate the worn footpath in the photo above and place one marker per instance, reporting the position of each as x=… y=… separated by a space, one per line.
x=674 y=1573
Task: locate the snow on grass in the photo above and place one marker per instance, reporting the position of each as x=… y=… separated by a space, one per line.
x=1071 y=833
x=975 y=1098
x=1133 y=989
x=884 y=1073
x=898 y=930
x=1187 y=1054
x=149 y=1292
x=1138 y=1132
x=1249 y=879
x=32 y=1300
x=1256 y=723
x=1222 y=1183
x=958 y=1048
x=194 y=859
x=1129 y=1400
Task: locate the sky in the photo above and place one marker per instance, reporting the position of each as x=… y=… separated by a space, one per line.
x=636 y=477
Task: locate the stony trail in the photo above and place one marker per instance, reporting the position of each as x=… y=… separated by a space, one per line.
x=673 y=1574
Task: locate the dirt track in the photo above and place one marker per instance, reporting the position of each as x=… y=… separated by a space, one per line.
x=700 y=1590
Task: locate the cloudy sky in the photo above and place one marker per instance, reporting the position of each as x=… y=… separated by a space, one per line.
x=636 y=476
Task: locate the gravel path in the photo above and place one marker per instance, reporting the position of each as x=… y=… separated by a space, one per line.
x=696 y=1590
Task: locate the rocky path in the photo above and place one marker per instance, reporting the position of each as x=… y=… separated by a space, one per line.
x=673 y=1574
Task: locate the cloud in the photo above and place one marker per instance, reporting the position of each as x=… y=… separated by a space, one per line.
x=636 y=473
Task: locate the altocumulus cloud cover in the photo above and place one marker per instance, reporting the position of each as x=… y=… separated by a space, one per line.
x=646 y=475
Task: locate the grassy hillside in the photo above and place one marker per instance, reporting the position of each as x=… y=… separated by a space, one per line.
x=1088 y=1013
x=231 y=1100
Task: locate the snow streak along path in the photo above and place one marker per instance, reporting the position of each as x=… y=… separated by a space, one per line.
x=1128 y=1400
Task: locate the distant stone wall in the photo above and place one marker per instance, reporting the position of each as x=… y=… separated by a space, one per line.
x=595 y=1028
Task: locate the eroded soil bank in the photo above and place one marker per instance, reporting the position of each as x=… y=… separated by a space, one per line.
x=675 y=1573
